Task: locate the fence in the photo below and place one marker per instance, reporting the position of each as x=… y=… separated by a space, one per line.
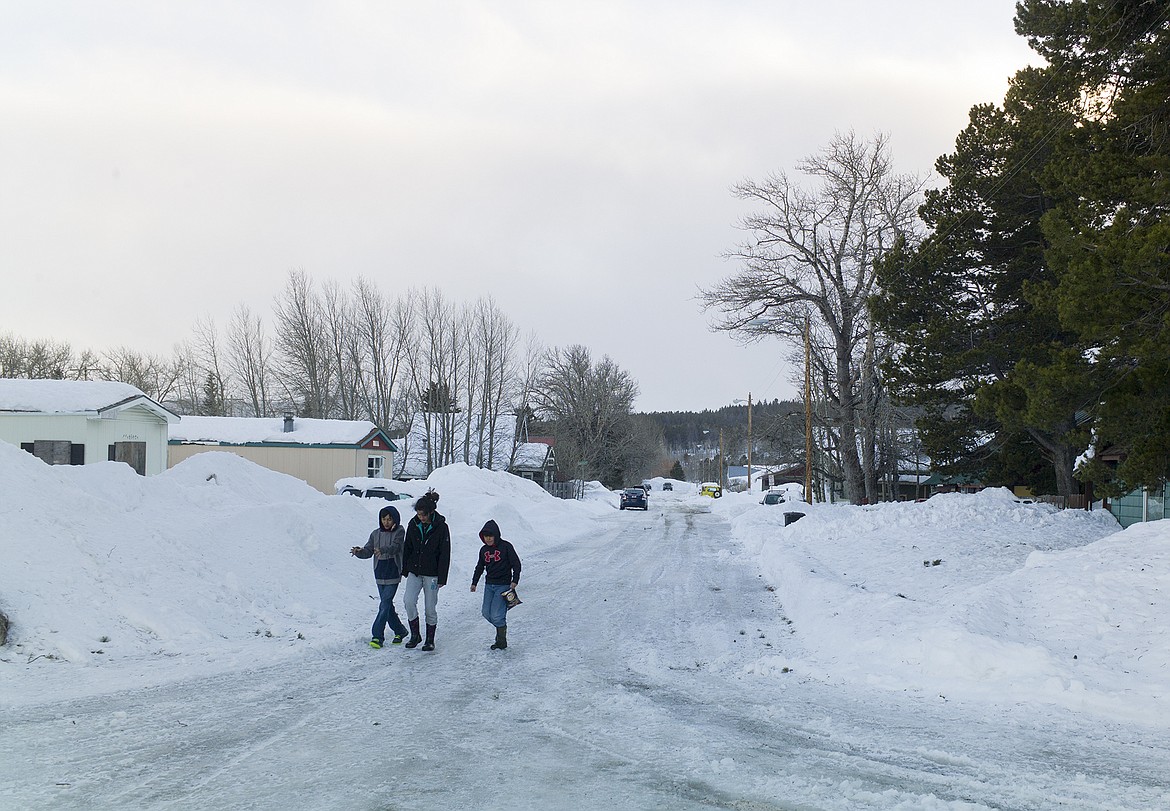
x=1077 y=501
x=570 y=489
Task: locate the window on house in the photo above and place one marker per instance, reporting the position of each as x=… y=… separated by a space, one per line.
x=77 y=454
x=374 y=466
x=53 y=451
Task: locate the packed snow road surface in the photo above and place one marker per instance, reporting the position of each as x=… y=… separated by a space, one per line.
x=631 y=682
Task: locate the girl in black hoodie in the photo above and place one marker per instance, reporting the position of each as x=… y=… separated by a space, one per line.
x=425 y=563
x=498 y=559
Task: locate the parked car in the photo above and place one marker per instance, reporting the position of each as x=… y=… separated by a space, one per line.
x=386 y=493
x=712 y=489
x=634 y=497
x=646 y=485
x=773 y=497
x=373 y=492
x=667 y=486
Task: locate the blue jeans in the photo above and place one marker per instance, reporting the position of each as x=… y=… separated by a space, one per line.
x=495 y=607
x=386 y=613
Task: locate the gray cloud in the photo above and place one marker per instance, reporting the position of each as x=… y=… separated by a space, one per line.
x=162 y=162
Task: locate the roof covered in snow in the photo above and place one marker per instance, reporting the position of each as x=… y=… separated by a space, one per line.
x=532 y=455
x=270 y=430
x=73 y=397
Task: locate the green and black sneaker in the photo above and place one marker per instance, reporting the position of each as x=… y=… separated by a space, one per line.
x=397 y=640
x=376 y=644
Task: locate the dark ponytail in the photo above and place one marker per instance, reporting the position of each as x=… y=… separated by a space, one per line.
x=428 y=502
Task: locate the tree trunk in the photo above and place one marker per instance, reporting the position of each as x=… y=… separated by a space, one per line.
x=1063 y=457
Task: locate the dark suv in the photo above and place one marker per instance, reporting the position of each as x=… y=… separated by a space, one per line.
x=634 y=497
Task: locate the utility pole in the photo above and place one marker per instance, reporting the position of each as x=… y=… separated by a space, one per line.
x=807 y=414
x=749 y=442
x=722 y=476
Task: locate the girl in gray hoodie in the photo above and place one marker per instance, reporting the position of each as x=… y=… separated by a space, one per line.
x=385 y=547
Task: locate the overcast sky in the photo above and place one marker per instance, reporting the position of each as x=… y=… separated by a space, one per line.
x=163 y=161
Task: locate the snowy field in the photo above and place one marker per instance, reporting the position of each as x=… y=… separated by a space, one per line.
x=197 y=640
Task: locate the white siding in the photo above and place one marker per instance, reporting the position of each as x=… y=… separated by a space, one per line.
x=97 y=434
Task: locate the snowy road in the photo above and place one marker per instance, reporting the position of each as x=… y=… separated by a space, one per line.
x=638 y=678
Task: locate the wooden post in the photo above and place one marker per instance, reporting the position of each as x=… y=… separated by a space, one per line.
x=807 y=414
x=722 y=479
x=749 y=442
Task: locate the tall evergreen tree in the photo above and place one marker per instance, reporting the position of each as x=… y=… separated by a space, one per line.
x=982 y=349
x=211 y=403
x=1110 y=232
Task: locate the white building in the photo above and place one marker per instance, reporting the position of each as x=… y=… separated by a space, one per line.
x=79 y=422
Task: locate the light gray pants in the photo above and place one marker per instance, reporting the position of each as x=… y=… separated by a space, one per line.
x=429 y=586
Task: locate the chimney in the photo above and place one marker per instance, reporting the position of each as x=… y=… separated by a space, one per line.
x=288 y=423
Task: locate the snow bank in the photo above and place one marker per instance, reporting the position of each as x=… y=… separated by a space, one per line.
x=974 y=595
x=103 y=565
x=217 y=561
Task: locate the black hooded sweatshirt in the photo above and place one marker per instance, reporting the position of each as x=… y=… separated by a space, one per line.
x=499 y=560
x=428 y=548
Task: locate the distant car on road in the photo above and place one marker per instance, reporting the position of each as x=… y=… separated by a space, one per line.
x=667 y=486
x=712 y=489
x=773 y=497
x=634 y=497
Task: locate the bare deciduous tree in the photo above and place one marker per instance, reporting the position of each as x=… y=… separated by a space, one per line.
x=528 y=371
x=591 y=404
x=494 y=341
x=157 y=377
x=382 y=328
x=812 y=255
x=306 y=370
x=433 y=356
x=249 y=356
x=207 y=375
x=35 y=359
x=339 y=314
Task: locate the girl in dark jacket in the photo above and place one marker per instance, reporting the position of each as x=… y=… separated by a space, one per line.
x=425 y=563
x=385 y=547
x=498 y=559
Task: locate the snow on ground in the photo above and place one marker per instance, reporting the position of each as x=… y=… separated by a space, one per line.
x=179 y=640
x=974 y=595
x=219 y=561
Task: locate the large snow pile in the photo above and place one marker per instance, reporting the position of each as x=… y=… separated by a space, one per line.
x=979 y=595
x=216 y=561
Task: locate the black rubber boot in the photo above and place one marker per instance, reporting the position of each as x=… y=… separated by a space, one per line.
x=430 y=643
x=415 y=636
x=501 y=638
